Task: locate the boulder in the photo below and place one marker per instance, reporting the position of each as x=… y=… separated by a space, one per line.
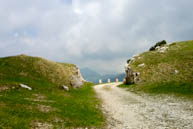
x=163 y=49
x=76 y=80
x=136 y=77
x=129 y=79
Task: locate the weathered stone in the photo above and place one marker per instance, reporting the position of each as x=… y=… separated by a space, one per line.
x=77 y=80
x=136 y=77
x=141 y=65
x=129 y=79
x=176 y=72
x=65 y=88
x=163 y=49
x=25 y=86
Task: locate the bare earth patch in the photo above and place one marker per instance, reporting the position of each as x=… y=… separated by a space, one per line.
x=39 y=98
x=41 y=125
x=45 y=109
x=126 y=110
x=3 y=88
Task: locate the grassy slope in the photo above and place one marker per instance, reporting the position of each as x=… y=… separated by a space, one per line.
x=158 y=74
x=23 y=68
x=46 y=103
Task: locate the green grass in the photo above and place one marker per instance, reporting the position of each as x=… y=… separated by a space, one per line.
x=76 y=108
x=20 y=68
x=158 y=76
x=47 y=104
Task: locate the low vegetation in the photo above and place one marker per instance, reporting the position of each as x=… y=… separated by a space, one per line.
x=23 y=69
x=50 y=107
x=46 y=106
x=170 y=71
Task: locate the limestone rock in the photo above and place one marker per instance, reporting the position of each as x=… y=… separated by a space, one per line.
x=176 y=72
x=76 y=80
x=25 y=86
x=141 y=65
x=65 y=88
x=163 y=49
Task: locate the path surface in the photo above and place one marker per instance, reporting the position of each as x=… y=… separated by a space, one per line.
x=126 y=110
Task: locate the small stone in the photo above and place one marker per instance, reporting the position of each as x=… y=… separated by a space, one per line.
x=141 y=65
x=65 y=88
x=176 y=72
x=25 y=86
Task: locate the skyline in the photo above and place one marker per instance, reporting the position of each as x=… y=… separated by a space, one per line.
x=97 y=34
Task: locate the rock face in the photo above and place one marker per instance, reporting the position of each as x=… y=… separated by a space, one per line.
x=76 y=79
x=129 y=78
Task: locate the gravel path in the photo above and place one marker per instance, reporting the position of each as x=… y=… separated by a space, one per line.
x=126 y=110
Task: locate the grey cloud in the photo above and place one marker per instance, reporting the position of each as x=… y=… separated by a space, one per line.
x=100 y=34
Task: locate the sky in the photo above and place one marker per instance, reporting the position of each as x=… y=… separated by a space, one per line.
x=98 y=34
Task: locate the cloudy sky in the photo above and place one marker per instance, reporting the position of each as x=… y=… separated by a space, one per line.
x=99 y=34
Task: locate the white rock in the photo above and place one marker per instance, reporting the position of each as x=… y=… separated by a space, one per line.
x=141 y=65
x=25 y=86
x=176 y=72
x=158 y=47
x=65 y=88
x=163 y=49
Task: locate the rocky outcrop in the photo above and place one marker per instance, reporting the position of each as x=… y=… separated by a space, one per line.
x=158 y=45
x=131 y=77
x=76 y=80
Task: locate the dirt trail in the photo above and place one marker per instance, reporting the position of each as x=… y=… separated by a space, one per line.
x=126 y=110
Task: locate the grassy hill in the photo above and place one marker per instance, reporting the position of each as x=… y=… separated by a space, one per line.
x=46 y=105
x=25 y=69
x=169 y=71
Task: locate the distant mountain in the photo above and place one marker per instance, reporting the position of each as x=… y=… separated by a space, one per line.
x=92 y=76
x=113 y=77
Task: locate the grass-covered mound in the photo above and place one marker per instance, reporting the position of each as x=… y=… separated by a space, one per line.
x=26 y=69
x=46 y=105
x=168 y=71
